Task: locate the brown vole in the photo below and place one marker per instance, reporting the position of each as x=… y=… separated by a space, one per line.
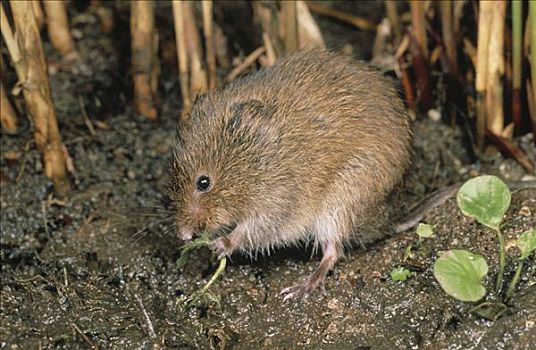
x=306 y=150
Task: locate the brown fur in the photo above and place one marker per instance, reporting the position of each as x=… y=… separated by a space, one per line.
x=308 y=149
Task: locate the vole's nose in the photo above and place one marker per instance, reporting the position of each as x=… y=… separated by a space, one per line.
x=185 y=233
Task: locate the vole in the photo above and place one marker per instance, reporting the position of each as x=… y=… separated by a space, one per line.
x=307 y=150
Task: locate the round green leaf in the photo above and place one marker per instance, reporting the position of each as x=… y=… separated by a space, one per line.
x=460 y=274
x=425 y=230
x=527 y=243
x=400 y=274
x=485 y=198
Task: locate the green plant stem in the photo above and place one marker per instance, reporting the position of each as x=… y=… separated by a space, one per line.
x=514 y=281
x=502 y=260
x=219 y=271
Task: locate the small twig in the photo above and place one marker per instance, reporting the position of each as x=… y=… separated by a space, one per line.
x=87 y=121
x=358 y=22
x=147 y=319
x=85 y=337
x=248 y=61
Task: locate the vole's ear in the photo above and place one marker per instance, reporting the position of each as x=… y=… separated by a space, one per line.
x=249 y=113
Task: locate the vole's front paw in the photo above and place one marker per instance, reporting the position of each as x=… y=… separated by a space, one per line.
x=221 y=247
x=303 y=290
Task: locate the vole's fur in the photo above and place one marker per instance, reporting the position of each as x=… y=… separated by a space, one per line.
x=308 y=149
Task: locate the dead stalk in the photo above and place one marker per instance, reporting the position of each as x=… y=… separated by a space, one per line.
x=209 y=43
x=8 y=118
x=198 y=77
x=448 y=35
x=418 y=26
x=143 y=58
x=392 y=15
x=358 y=22
x=494 y=81
x=182 y=55
x=290 y=25
x=248 y=61
x=58 y=29
x=309 y=34
x=484 y=26
x=36 y=91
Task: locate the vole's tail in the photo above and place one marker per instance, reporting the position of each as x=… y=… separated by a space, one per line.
x=437 y=198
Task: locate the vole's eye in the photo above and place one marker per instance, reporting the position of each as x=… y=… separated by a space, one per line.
x=203 y=183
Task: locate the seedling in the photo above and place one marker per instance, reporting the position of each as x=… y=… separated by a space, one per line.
x=425 y=231
x=401 y=273
x=204 y=293
x=459 y=272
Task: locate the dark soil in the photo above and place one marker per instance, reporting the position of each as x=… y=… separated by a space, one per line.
x=97 y=269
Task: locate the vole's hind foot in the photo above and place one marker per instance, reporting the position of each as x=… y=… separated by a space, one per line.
x=316 y=280
x=303 y=290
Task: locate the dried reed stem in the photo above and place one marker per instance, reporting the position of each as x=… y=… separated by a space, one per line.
x=58 y=29
x=481 y=68
x=494 y=83
x=182 y=56
x=248 y=61
x=8 y=118
x=198 y=75
x=392 y=16
x=11 y=43
x=448 y=35
x=38 y=12
x=418 y=26
x=517 y=32
x=309 y=34
x=533 y=52
x=358 y=22
x=209 y=43
x=290 y=25
x=36 y=91
x=143 y=58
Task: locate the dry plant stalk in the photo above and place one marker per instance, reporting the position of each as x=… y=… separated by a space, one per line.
x=290 y=25
x=265 y=13
x=418 y=27
x=484 y=26
x=209 y=43
x=198 y=75
x=36 y=89
x=270 y=50
x=533 y=59
x=309 y=34
x=248 y=61
x=517 y=22
x=182 y=56
x=445 y=8
x=392 y=16
x=8 y=118
x=58 y=29
x=495 y=66
x=143 y=57
x=358 y=22
x=11 y=42
x=38 y=13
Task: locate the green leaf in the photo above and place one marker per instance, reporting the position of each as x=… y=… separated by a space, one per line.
x=425 y=230
x=400 y=274
x=527 y=243
x=485 y=198
x=460 y=274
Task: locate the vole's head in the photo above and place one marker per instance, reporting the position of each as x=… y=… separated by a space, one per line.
x=218 y=164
